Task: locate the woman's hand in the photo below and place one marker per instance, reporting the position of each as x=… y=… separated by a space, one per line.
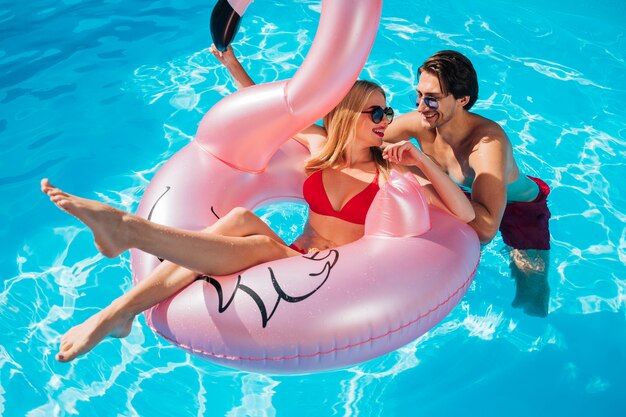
x=227 y=57
x=442 y=192
x=234 y=67
x=404 y=153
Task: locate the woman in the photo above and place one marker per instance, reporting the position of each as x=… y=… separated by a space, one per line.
x=346 y=170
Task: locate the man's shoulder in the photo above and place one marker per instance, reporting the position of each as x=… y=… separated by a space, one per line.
x=487 y=131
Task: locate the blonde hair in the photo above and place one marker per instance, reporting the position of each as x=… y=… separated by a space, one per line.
x=340 y=126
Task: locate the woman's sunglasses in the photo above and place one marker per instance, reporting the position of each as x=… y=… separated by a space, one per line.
x=378 y=113
x=430 y=102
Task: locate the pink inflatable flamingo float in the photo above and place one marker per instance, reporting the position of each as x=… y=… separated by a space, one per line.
x=314 y=312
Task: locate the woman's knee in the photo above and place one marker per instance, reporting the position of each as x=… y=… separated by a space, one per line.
x=240 y=214
x=232 y=223
x=267 y=248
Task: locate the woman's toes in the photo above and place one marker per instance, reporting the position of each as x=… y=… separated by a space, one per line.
x=65 y=345
x=63 y=351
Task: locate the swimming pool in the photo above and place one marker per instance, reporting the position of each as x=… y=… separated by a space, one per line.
x=96 y=95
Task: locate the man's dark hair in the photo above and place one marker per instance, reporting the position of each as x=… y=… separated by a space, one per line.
x=456 y=75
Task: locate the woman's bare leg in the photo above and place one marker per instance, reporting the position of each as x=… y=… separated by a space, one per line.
x=116 y=319
x=167 y=279
x=116 y=231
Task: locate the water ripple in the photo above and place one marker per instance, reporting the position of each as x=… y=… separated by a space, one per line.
x=89 y=81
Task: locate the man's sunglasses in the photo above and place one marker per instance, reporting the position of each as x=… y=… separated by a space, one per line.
x=430 y=102
x=378 y=113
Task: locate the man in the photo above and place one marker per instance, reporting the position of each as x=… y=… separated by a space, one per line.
x=477 y=154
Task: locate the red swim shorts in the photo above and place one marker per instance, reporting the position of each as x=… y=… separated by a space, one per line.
x=525 y=223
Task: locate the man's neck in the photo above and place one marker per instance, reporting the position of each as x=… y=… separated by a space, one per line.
x=457 y=130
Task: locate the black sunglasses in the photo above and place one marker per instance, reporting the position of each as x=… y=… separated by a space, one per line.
x=430 y=102
x=378 y=113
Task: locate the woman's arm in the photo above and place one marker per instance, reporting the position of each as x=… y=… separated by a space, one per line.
x=234 y=67
x=446 y=194
x=313 y=137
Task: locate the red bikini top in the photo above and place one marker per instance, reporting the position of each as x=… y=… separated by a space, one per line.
x=354 y=211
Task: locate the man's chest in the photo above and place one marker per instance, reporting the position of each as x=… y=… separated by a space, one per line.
x=453 y=162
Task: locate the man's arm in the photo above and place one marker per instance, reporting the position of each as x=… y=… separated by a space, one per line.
x=404 y=127
x=489 y=161
x=234 y=67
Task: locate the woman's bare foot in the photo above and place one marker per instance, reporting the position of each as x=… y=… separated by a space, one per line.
x=82 y=338
x=104 y=221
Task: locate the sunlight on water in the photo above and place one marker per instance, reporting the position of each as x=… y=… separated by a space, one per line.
x=104 y=102
x=257 y=392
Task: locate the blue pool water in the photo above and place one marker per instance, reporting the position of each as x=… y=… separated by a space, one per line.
x=98 y=94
